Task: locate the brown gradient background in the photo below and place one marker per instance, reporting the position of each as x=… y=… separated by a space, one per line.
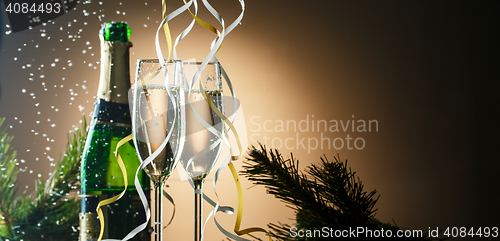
x=425 y=70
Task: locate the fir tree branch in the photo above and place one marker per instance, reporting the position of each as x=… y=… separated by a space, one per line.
x=55 y=210
x=51 y=212
x=283 y=179
x=9 y=201
x=340 y=189
x=327 y=194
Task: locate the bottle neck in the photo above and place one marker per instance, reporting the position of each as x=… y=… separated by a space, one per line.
x=114 y=81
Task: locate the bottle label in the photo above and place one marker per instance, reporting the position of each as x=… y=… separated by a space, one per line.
x=127 y=152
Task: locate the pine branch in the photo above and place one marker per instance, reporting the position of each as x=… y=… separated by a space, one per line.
x=340 y=189
x=55 y=209
x=283 y=179
x=9 y=200
x=51 y=212
x=325 y=195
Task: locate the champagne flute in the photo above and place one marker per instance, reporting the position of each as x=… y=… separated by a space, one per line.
x=157 y=126
x=204 y=128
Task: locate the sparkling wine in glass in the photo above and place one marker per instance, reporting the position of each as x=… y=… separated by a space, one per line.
x=157 y=124
x=204 y=127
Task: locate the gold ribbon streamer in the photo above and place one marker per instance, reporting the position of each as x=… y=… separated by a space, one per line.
x=233 y=170
x=225 y=119
x=202 y=23
x=166 y=28
x=117 y=197
x=240 y=207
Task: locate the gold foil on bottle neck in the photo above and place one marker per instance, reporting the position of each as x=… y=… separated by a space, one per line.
x=114 y=81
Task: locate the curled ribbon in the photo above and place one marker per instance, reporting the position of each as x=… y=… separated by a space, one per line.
x=125 y=180
x=216 y=44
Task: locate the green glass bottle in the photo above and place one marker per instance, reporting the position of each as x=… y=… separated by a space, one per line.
x=100 y=174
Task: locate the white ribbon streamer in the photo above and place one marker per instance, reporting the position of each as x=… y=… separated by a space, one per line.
x=211 y=56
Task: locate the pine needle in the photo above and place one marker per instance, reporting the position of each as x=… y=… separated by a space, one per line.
x=51 y=212
x=327 y=194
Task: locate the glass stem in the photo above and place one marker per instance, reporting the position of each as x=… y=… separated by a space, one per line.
x=198 y=216
x=158 y=212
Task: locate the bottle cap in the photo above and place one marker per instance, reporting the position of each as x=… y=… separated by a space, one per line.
x=113 y=31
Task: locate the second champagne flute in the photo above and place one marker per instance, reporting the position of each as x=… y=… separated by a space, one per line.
x=204 y=128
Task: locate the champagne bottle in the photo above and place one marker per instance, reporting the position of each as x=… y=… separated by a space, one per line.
x=100 y=174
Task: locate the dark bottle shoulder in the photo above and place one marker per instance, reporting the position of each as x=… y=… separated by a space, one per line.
x=112 y=112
